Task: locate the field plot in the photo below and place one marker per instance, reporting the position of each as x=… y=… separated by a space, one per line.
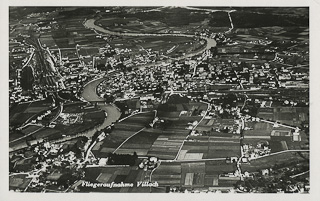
x=161 y=45
x=279 y=138
x=199 y=106
x=117 y=175
x=169 y=115
x=22 y=113
x=166 y=19
x=122 y=131
x=196 y=174
x=71 y=54
x=68 y=31
x=83 y=51
x=193 y=174
x=166 y=142
x=75 y=118
x=269 y=161
x=224 y=148
x=139 y=119
x=73 y=32
x=47 y=40
x=259 y=129
x=255 y=17
x=45 y=133
x=209 y=126
x=168 y=174
x=167 y=145
x=30 y=129
x=131 y=25
x=204 y=147
x=293 y=116
x=278 y=145
x=140 y=143
x=20 y=118
x=19 y=181
x=189 y=110
x=24 y=131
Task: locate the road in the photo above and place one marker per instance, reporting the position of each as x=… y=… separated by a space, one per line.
x=31 y=56
x=281 y=152
x=279 y=124
x=41 y=126
x=208 y=109
x=205 y=9
x=194 y=160
x=231 y=23
x=128 y=139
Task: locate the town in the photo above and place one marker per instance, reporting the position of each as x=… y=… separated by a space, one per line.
x=166 y=99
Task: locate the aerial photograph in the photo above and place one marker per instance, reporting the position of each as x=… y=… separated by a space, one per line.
x=158 y=99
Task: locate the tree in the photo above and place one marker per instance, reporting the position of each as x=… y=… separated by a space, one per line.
x=109 y=98
x=122 y=159
x=27 y=78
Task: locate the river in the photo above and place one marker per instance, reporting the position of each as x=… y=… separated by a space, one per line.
x=90 y=95
x=90 y=23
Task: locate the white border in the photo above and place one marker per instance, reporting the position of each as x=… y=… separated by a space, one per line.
x=314 y=6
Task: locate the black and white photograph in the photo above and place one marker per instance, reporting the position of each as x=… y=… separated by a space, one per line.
x=159 y=99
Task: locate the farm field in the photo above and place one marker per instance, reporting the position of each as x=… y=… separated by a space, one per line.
x=209 y=126
x=167 y=145
x=197 y=175
x=279 y=138
x=122 y=131
x=116 y=174
x=251 y=18
x=22 y=112
x=87 y=118
x=165 y=45
x=269 y=161
x=293 y=116
x=162 y=143
x=71 y=54
x=19 y=181
x=205 y=147
x=173 y=19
